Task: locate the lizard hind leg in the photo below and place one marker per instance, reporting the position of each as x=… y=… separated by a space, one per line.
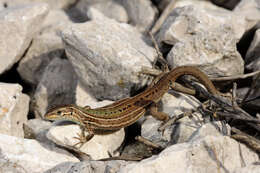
x=158 y=115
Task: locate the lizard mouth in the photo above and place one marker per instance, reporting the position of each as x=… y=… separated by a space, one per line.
x=50 y=117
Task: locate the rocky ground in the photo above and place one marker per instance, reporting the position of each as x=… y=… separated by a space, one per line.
x=87 y=52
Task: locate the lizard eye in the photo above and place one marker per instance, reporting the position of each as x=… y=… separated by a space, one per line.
x=59 y=112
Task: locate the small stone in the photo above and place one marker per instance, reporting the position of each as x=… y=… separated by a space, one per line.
x=98 y=147
x=112 y=9
x=143 y=15
x=14 y=107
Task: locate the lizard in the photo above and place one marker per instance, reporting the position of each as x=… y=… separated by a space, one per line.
x=126 y=111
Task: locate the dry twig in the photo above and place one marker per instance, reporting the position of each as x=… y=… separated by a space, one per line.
x=163 y=16
x=247 y=139
x=236 y=77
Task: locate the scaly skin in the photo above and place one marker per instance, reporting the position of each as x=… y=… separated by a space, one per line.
x=127 y=111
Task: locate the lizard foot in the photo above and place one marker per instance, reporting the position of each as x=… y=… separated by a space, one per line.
x=83 y=138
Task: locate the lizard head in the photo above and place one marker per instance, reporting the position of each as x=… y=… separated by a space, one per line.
x=65 y=113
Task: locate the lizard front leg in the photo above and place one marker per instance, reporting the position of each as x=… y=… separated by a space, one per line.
x=82 y=137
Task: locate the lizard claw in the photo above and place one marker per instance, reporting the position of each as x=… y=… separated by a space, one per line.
x=82 y=138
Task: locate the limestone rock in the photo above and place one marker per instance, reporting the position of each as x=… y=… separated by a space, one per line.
x=18 y=27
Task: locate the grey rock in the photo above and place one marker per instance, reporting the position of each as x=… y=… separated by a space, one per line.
x=18 y=26
x=37 y=129
x=44 y=48
x=215 y=128
x=61 y=4
x=142 y=13
x=89 y=167
x=31 y=155
x=208 y=154
x=107 y=57
x=110 y=8
x=253 y=53
x=57 y=86
x=173 y=104
x=14 y=107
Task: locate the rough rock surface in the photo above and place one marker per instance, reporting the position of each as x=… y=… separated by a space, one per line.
x=44 y=48
x=110 y=8
x=140 y=18
x=56 y=87
x=196 y=41
x=209 y=154
x=250 y=10
x=31 y=155
x=98 y=147
x=18 y=27
x=14 y=107
x=89 y=166
x=107 y=73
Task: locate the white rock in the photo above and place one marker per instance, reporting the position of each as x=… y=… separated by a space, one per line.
x=250 y=10
x=18 y=27
x=143 y=15
x=31 y=155
x=14 y=107
x=88 y=167
x=215 y=15
x=214 y=50
x=107 y=57
x=253 y=168
x=94 y=14
x=83 y=97
x=98 y=147
x=185 y=21
x=215 y=128
x=201 y=38
x=210 y=154
x=45 y=47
